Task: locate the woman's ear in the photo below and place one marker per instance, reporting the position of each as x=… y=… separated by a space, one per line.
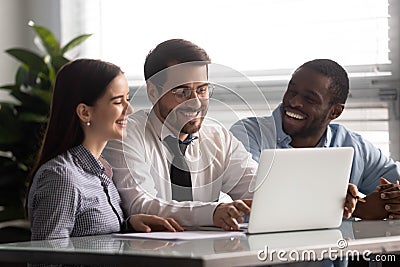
x=83 y=112
x=336 y=111
x=152 y=92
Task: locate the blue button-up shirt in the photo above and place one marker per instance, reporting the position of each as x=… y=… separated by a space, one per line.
x=369 y=163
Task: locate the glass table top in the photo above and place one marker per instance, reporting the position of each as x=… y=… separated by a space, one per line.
x=376 y=236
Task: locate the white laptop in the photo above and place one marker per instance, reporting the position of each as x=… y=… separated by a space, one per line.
x=300 y=189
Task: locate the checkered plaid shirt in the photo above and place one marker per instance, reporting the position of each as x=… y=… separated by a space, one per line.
x=68 y=197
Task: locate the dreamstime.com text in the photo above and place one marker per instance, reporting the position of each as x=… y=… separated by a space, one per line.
x=338 y=253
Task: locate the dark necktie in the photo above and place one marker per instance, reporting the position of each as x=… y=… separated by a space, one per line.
x=181 y=182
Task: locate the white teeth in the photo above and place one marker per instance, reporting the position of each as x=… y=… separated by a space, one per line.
x=294 y=115
x=190 y=114
x=122 y=122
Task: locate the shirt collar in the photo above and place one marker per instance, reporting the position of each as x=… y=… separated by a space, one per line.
x=283 y=140
x=87 y=161
x=326 y=138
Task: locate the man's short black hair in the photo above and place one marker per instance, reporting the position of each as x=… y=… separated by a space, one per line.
x=173 y=52
x=339 y=80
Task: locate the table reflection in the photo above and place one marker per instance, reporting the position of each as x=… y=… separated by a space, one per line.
x=376 y=236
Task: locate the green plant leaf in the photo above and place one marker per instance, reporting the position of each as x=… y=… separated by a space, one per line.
x=10 y=87
x=30 y=103
x=58 y=62
x=44 y=95
x=74 y=42
x=48 y=40
x=52 y=77
x=24 y=77
x=23 y=121
x=44 y=82
x=9 y=131
x=33 y=117
x=32 y=60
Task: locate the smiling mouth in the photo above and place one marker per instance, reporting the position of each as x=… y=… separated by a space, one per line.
x=294 y=115
x=193 y=114
x=122 y=122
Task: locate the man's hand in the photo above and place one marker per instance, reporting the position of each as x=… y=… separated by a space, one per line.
x=390 y=193
x=372 y=209
x=382 y=203
x=350 y=201
x=228 y=215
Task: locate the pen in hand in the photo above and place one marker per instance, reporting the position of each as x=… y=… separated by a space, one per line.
x=356 y=197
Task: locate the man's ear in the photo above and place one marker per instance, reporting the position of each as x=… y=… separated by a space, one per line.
x=83 y=112
x=152 y=92
x=337 y=110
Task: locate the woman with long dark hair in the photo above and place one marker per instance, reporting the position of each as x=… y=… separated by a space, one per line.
x=71 y=192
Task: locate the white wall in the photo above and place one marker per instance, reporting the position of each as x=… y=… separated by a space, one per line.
x=15 y=32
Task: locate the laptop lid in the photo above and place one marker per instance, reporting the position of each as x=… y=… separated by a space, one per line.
x=300 y=189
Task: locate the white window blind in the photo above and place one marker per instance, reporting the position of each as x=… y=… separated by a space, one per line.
x=244 y=35
x=265 y=40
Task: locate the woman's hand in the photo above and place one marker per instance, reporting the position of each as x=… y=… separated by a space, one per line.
x=147 y=223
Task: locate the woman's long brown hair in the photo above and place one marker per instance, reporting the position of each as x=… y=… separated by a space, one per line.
x=79 y=81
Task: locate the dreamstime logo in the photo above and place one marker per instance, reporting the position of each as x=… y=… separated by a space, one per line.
x=342 y=243
x=312 y=255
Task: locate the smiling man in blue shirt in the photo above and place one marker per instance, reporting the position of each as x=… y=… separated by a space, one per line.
x=315 y=96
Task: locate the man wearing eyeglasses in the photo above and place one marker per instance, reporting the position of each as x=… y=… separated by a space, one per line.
x=172 y=165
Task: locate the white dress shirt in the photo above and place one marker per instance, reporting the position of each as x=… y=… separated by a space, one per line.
x=141 y=164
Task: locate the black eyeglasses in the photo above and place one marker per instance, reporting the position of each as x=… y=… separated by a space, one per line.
x=183 y=93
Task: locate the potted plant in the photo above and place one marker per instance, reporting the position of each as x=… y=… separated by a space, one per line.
x=22 y=121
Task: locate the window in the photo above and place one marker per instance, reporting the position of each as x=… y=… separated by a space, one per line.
x=263 y=40
x=247 y=36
